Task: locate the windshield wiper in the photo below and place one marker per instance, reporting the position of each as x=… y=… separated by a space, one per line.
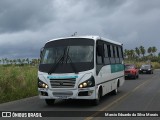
x=65 y=57
x=53 y=68
x=72 y=65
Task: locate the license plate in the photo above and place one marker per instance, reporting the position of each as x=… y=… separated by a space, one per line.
x=144 y=71
x=62 y=97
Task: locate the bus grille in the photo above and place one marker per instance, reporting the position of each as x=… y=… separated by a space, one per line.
x=67 y=93
x=62 y=83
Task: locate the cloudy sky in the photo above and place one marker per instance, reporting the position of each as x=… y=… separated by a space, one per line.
x=25 y=25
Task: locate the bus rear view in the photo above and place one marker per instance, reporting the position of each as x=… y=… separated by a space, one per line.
x=68 y=70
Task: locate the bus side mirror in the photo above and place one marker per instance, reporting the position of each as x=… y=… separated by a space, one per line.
x=41 y=51
x=99 y=50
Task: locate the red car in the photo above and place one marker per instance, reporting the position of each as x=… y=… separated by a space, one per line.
x=131 y=71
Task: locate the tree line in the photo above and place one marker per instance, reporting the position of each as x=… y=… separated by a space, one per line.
x=27 y=61
x=140 y=53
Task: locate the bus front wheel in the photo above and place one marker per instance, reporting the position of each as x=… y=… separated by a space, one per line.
x=97 y=101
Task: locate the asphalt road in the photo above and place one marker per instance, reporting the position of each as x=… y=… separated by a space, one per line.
x=142 y=94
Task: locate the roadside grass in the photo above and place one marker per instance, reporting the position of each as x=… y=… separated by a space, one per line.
x=17 y=82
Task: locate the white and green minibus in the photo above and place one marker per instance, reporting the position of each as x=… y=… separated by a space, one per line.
x=80 y=67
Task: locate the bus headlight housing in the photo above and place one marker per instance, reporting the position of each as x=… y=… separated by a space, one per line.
x=88 y=83
x=41 y=84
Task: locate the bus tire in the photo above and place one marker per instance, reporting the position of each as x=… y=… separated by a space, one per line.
x=97 y=101
x=50 y=102
x=115 y=91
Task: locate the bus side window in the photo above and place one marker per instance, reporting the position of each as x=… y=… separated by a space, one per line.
x=112 y=59
x=106 y=55
x=116 y=54
x=109 y=51
x=99 y=57
x=120 y=54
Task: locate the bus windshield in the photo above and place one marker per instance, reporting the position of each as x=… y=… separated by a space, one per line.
x=76 y=53
x=67 y=55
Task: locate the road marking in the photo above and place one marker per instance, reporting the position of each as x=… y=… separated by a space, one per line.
x=117 y=100
x=136 y=88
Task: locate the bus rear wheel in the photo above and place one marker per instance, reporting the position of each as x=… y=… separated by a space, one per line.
x=115 y=91
x=50 y=101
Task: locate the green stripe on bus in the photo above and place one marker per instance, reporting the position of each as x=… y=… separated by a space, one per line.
x=117 y=68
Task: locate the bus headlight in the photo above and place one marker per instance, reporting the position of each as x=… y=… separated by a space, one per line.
x=88 y=83
x=41 y=84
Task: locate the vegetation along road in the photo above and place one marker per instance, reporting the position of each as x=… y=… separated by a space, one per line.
x=142 y=94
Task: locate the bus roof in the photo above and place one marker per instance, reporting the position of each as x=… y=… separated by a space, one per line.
x=89 y=37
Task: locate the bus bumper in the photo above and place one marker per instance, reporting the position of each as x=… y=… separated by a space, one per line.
x=83 y=93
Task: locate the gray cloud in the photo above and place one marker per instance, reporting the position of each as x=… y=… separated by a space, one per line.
x=110 y=4
x=19 y=15
x=25 y=26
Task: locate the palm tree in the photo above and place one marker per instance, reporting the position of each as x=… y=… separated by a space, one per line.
x=128 y=53
x=11 y=61
x=137 y=51
x=125 y=53
x=143 y=51
x=14 y=61
x=7 y=61
x=19 y=61
x=23 y=61
x=150 y=51
x=132 y=53
x=3 y=61
x=34 y=62
x=154 y=50
x=27 y=60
